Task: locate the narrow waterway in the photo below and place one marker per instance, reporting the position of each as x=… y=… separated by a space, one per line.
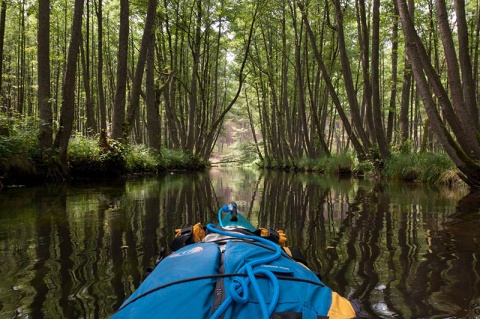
x=402 y=250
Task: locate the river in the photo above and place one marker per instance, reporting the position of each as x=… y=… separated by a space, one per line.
x=403 y=250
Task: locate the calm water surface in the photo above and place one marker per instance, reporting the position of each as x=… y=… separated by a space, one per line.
x=404 y=251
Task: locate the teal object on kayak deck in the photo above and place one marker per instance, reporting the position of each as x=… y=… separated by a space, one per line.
x=233 y=218
x=241 y=222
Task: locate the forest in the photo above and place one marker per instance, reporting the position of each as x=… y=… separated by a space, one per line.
x=307 y=79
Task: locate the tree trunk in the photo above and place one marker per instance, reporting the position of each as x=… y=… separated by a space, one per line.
x=213 y=130
x=3 y=12
x=252 y=128
x=101 y=94
x=393 y=93
x=153 y=113
x=364 y=42
x=465 y=63
x=192 y=101
x=376 y=107
x=133 y=104
x=359 y=149
x=45 y=137
x=460 y=153
x=118 y=116
x=347 y=77
x=68 y=88
x=91 y=127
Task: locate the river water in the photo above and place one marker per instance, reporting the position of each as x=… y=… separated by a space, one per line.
x=402 y=250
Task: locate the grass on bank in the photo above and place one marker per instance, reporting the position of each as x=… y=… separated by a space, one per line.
x=20 y=157
x=433 y=168
x=85 y=154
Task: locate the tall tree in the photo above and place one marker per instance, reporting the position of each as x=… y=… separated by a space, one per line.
x=45 y=137
x=91 y=125
x=3 y=13
x=152 y=96
x=348 y=78
x=68 y=87
x=461 y=140
x=360 y=149
x=118 y=111
x=100 y=85
x=376 y=107
x=134 y=101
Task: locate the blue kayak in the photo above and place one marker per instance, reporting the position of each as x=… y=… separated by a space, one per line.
x=232 y=270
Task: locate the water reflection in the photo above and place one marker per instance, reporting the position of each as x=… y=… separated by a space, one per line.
x=404 y=251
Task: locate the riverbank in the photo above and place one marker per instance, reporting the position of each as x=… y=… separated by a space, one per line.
x=21 y=163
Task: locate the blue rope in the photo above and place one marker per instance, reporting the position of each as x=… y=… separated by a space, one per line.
x=239 y=292
x=223 y=209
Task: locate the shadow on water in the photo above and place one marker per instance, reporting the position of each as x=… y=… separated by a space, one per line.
x=402 y=250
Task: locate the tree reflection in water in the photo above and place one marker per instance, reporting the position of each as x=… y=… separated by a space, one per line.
x=404 y=251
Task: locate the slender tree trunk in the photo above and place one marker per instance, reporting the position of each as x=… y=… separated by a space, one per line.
x=133 y=104
x=118 y=116
x=20 y=108
x=252 y=128
x=3 y=12
x=364 y=35
x=153 y=113
x=68 y=88
x=376 y=107
x=468 y=84
x=347 y=77
x=393 y=93
x=462 y=156
x=101 y=94
x=213 y=130
x=91 y=127
x=359 y=149
x=45 y=137
x=192 y=101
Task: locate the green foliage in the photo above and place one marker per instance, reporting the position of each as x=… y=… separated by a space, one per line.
x=176 y=159
x=18 y=144
x=244 y=151
x=422 y=167
x=341 y=164
x=19 y=137
x=141 y=159
x=363 y=168
x=84 y=149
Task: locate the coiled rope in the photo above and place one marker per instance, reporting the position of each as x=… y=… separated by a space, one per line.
x=239 y=290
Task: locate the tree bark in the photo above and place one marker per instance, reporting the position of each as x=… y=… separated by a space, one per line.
x=422 y=69
x=68 y=88
x=133 y=104
x=213 y=130
x=101 y=94
x=192 y=101
x=91 y=126
x=376 y=107
x=118 y=116
x=153 y=112
x=359 y=149
x=3 y=13
x=45 y=137
x=465 y=63
x=393 y=93
x=348 y=80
